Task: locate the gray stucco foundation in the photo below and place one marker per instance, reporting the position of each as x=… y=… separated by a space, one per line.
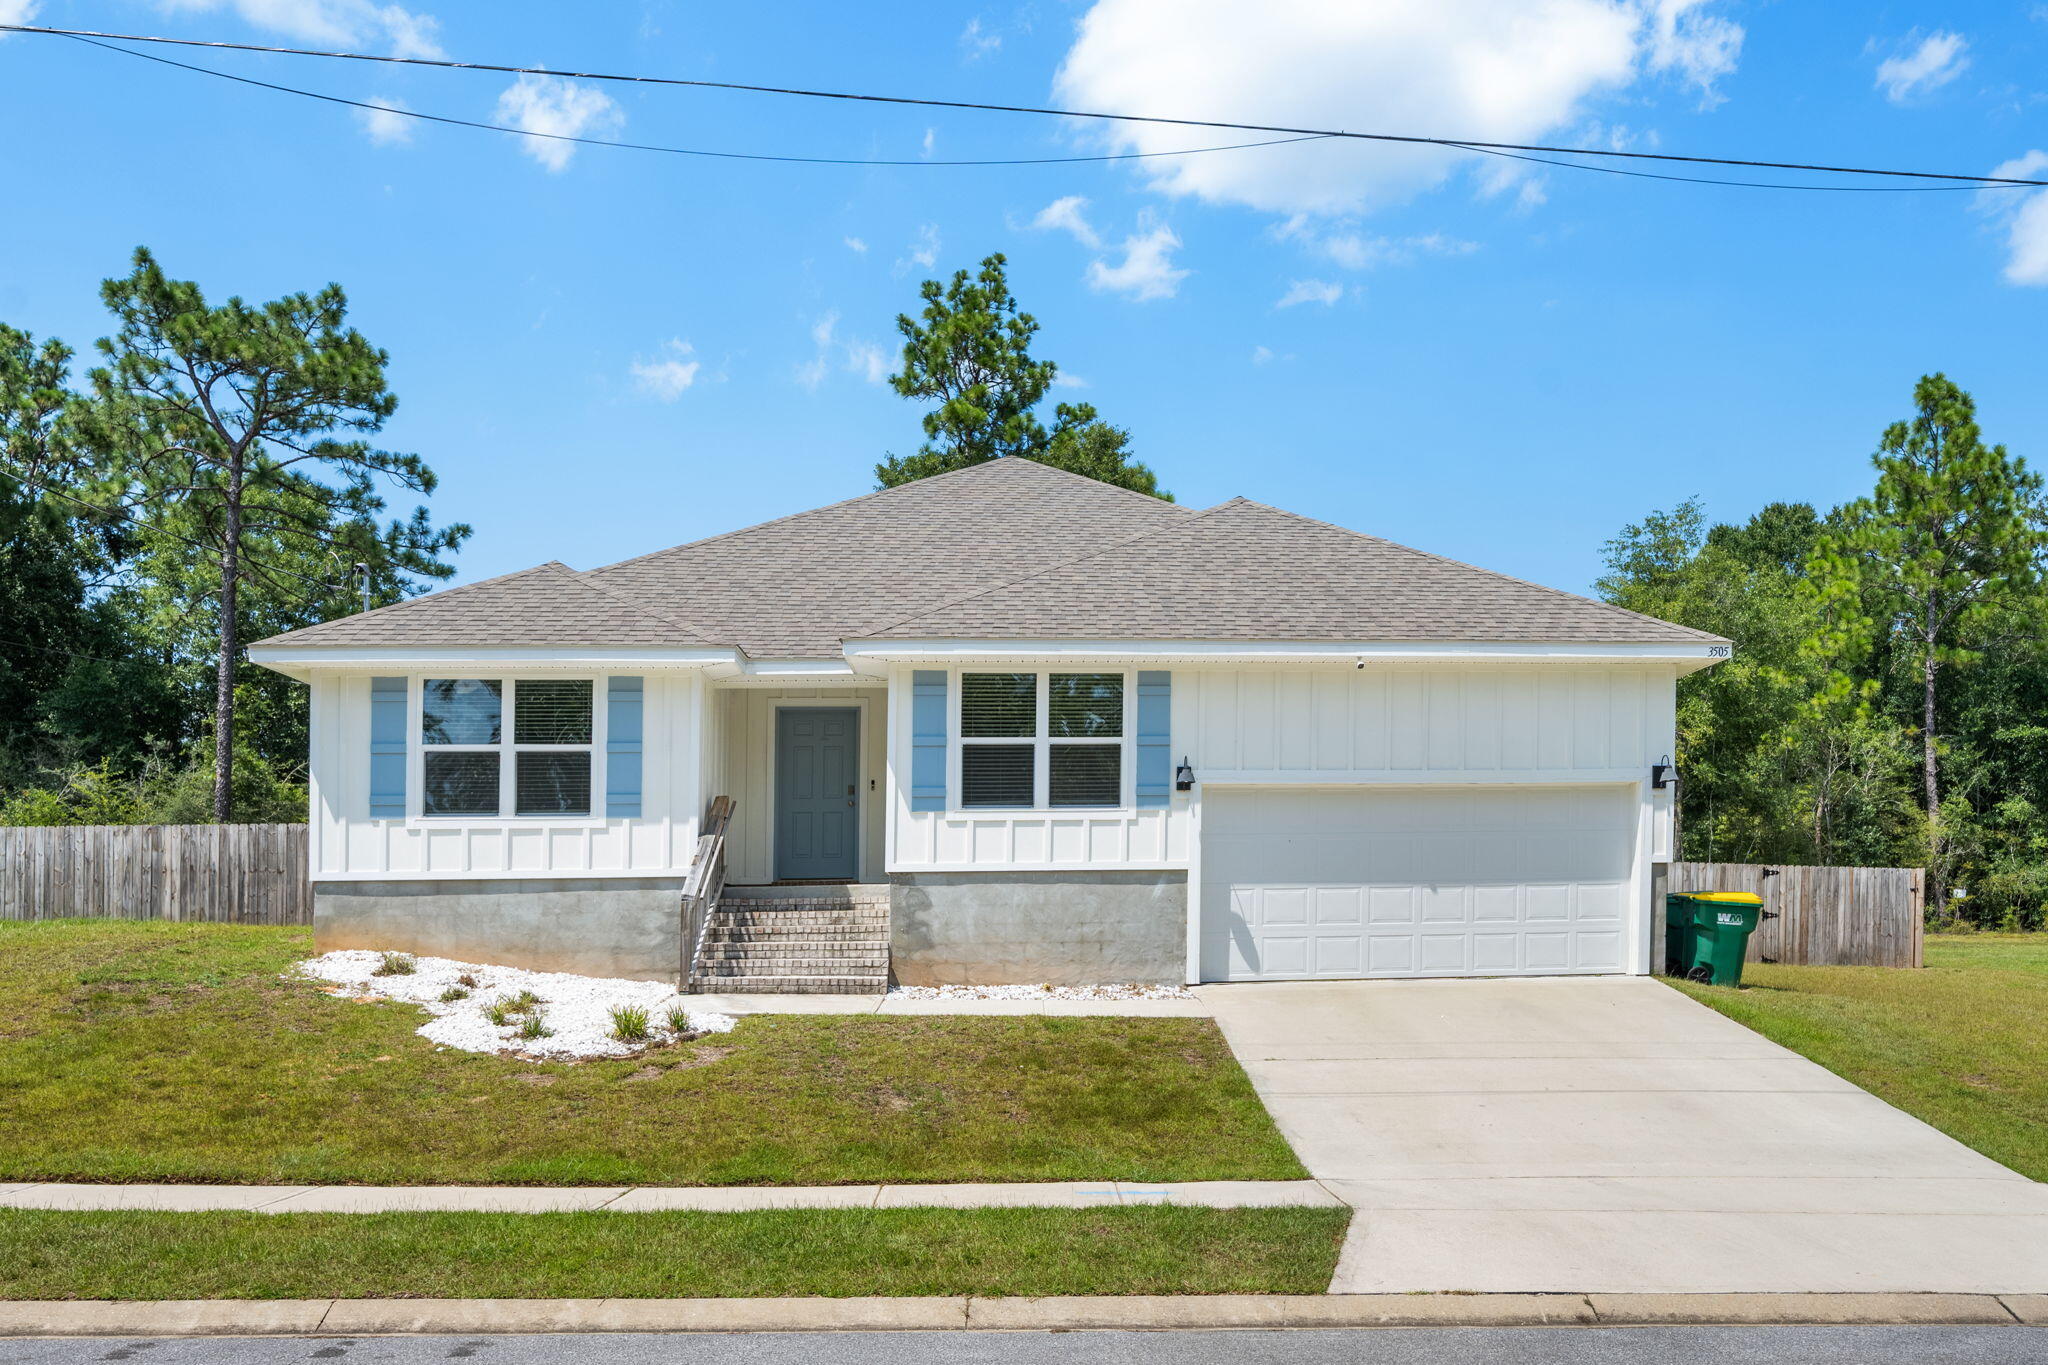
x=1059 y=928
x=593 y=926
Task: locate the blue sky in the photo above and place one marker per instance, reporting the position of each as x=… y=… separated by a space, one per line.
x=605 y=352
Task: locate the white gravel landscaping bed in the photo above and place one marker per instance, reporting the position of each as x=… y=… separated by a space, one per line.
x=575 y=1009
x=1130 y=990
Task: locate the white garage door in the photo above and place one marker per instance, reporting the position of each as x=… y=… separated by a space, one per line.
x=1306 y=882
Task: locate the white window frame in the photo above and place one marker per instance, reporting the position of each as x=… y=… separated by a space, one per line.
x=1040 y=743
x=506 y=749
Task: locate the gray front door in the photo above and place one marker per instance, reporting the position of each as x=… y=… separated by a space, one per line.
x=817 y=780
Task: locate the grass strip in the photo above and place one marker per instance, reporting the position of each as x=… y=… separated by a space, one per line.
x=829 y=1252
x=173 y=1052
x=1959 y=1044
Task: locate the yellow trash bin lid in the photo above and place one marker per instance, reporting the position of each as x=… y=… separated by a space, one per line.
x=1725 y=897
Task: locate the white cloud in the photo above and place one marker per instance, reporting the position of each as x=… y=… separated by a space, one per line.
x=1492 y=70
x=1345 y=246
x=1310 y=291
x=557 y=108
x=1262 y=355
x=1933 y=62
x=2025 y=216
x=383 y=125
x=923 y=252
x=931 y=137
x=17 y=12
x=855 y=245
x=333 y=23
x=1066 y=215
x=1063 y=380
x=1699 y=47
x=977 y=42
x=1147 y=270
x=671 y=371
x=851 y=354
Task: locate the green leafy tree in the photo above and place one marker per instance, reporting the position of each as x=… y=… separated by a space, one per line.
x=234 y=436
x=1945 y=552
x=969 y=353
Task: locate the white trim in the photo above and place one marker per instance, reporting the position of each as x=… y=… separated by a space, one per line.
x=994 y=870
x=979 y=652
x=1416 y=777
x=297 y=662
x=651 y=874
x=1194 y=909
x=508 y=750
x=861 y=776
x=1040 y=743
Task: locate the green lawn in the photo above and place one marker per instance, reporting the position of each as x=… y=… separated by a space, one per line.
x=1962 y=1044
x=134 y=1052
x=831 y=1252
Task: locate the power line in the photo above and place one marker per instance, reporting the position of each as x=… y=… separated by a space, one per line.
x=799 y=92
x=648 y=147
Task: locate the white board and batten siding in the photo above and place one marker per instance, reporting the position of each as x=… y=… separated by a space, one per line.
x=743 y=743
x=347 y=845
x=1334 y=725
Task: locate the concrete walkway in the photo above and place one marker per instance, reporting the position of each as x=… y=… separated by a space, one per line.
x=1137 y=1312
x=1215 y=1194
x=1610 y=1135
x=901 y=1004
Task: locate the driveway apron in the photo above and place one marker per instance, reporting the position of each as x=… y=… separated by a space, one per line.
x=1607 y=1134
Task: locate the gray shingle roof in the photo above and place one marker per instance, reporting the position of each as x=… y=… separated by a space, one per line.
x=1243 y=571
x=796 y=588
x=550 y=604
x=1010 y=549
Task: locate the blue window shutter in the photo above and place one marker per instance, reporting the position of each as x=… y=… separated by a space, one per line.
x=387 y=748
x=623 y=746
x=928 y=740
x=1155 y=739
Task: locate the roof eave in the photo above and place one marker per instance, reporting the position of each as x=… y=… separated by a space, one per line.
x=1688 y=656
x=303 y=661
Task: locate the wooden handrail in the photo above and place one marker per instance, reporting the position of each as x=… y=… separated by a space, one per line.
x=703 y=887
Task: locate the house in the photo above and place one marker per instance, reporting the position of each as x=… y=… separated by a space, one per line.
x=1003 y=725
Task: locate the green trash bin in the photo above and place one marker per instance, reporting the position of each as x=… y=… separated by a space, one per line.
x=1715 y=936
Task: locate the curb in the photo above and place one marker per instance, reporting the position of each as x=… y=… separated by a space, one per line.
x=397 y=1317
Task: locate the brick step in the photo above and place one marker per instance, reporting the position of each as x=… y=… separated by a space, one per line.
x=770 y=910
x=801 y=903
x=794 y=985
x=852 y=933
x=836 y=957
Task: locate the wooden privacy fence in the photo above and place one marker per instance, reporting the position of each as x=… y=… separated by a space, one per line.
x=238 y=874
x=1826 y=916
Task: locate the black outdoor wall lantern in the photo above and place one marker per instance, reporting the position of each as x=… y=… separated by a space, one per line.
x=1184 y=776
x=1662 y=774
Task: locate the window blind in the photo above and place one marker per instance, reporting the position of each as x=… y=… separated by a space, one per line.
x=460 y=782
x=997 y=774
x=998 y=705
x=551 y=711
x=1085 y=705
x=546 y=782
x=1085 y=775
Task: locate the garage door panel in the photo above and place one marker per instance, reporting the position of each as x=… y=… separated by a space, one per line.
x=1379 y=881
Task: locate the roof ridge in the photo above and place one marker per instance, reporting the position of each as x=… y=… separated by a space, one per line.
x=1475 y=568
x=584 y=581
x=1186 y=524
x=926 y=481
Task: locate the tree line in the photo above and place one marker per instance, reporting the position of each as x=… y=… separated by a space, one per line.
x=213 y=479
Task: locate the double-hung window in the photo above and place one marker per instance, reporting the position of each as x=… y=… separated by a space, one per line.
x=470 y=765
x=1041 y=739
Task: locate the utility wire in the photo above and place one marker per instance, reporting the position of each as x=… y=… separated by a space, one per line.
x=1463 y=144
x=648 y=147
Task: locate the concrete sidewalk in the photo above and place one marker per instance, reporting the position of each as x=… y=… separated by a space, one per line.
x=1609 y=1134
x=1215 y=1194
x=389 y=1317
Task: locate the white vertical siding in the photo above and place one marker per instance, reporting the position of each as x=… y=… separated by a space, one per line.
x=348 y=845
x=1388 y=723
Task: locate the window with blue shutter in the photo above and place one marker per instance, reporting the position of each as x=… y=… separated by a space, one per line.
x=928 y=740
x=387 y=748
x=1155 y=739
x=623 y=746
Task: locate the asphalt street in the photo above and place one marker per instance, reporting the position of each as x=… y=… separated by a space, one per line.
x=1394 y=1346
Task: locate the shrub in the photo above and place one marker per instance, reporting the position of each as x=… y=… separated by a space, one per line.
x=396 y=964
x=535 y=1025
x=678 y=1019
x=453 y=994
x=629 y=1023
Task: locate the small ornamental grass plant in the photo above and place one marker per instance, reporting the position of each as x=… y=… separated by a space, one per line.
x=678 y=1020
x=396 y=964
x=453 y=994
x=629 y=1023
x=535 y=1025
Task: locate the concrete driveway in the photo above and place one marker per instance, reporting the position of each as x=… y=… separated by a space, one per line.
x=1608 y=1134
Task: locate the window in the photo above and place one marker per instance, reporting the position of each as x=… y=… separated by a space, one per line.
x=1041 y=739
x=467 y=768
